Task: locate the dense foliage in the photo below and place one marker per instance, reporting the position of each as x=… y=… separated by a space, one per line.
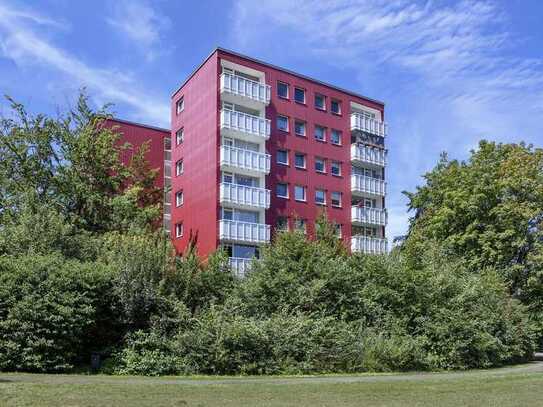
x=84 y=269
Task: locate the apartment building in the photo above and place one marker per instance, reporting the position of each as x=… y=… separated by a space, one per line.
x=257 y=149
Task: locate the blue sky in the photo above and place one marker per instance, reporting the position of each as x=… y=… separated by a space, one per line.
x=450 y=72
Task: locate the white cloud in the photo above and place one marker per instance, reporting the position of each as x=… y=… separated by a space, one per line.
x=140 y=24
x=23 y=44
x=448 y=71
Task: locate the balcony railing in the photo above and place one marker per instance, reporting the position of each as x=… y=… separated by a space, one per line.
x=369 y=155
x=369 y=216
x=244 y=195
x=368 y=245
x=246 y=123
x=367 y=185
x=238 y=231
x=245 y=159
x=240 y=266
x=245 y=87
x=367 y=124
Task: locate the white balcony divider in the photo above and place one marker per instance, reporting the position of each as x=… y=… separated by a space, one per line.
x=244 y=231
x=368 y=185
x=367 y=124
x=244 y=195
x=246 y=123
x=240 y=266
x=366 y=154
x=371 y=216
x=245 y=159
x=368 y=245
x=245 y=87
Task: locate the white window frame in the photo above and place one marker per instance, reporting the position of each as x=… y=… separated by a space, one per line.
x=340 y=200
x=340 y=135
x=323 y=108
x=305 y=160
x=179 y=167
x=338 y=166
x=323 y=140
x=180 y=136
x=180 y=105
x=324 y=196
x=281 y=196
x=179 y=198
x=179 y=230
x=304 y=92
x=304 y=189
x=277 y=157
x=304 y=124
x=338 y=104
x=288 y=90
x=317 y=159
x=280 y=116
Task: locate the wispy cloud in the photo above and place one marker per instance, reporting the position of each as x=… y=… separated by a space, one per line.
x=141 y=24
x=21 y=41
x=447 y=70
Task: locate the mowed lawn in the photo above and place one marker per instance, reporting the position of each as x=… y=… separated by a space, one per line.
x=493 y=388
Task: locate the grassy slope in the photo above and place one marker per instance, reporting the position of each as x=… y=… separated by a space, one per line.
x=515 y=389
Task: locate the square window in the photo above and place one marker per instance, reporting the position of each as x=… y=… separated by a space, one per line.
x=179 y=168
x=320 y=197
x=335 y=168
x=281 y=224
x=282 y=90
x=299 y=160
x=282 y=123
x=282 y=157
x=320 y=102
x=335 y=198
x=179 y=230
x=320 y=164
x=281 y=190
x=300 y=225
x=299 y=95
x=179 y=136
x=335 y=106
x=180 y=105
x=299 y=128
x=179 y=198
x=299 y=193
x=320 y=133
x=335 y=137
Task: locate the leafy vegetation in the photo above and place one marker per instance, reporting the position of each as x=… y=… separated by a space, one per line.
x=85 y=269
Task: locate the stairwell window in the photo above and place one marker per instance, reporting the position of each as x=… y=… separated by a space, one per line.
x=180 y=105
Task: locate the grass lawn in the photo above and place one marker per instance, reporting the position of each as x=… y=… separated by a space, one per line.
x=471 y=389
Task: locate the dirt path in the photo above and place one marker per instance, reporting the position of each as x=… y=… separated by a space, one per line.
x=533 y=367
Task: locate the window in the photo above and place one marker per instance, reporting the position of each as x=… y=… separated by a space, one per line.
x=320 y=197
x=320 y=133
x=299 y=160
x=228 y=177
x=179 y=136
x=320 y=102
x=167 y=149
x=282 y=123
x=281 y=190
x=299 y=95
x=335 y=137
x=335 y=106
x=335 y=198
x=179 y=167
x=180 y=105
x=281 y=224
x=179 y=230
x=335 y=168
x=320 y=164
x=299 y=193
x=299 y=128
x=300 y=225
x=179 y=198
x=282 y=90
x=227 y=214
x=282 y=157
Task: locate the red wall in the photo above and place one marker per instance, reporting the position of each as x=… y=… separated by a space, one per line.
x=136 y=135
x=200 y=153
x=308 y=145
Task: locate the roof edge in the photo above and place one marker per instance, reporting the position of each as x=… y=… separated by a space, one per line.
x=147 y=126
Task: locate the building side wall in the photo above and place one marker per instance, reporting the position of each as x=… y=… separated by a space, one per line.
x=200 y=154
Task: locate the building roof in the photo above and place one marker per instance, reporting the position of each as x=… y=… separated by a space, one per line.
x=308 y=78
x=116 y=119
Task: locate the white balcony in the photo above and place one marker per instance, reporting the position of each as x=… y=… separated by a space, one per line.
x=244 y=161
x=244 y=91
x=363 y=185
x=368 y=216
x=240 y=266
x=368 y=125
x=368 y=245
x=368 y=155
x=237 y=231
x=245 y=126
x=244 y=196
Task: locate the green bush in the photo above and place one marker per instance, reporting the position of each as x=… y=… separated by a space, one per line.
x=48 y=311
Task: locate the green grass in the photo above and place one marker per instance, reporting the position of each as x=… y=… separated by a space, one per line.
x=480 y=389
